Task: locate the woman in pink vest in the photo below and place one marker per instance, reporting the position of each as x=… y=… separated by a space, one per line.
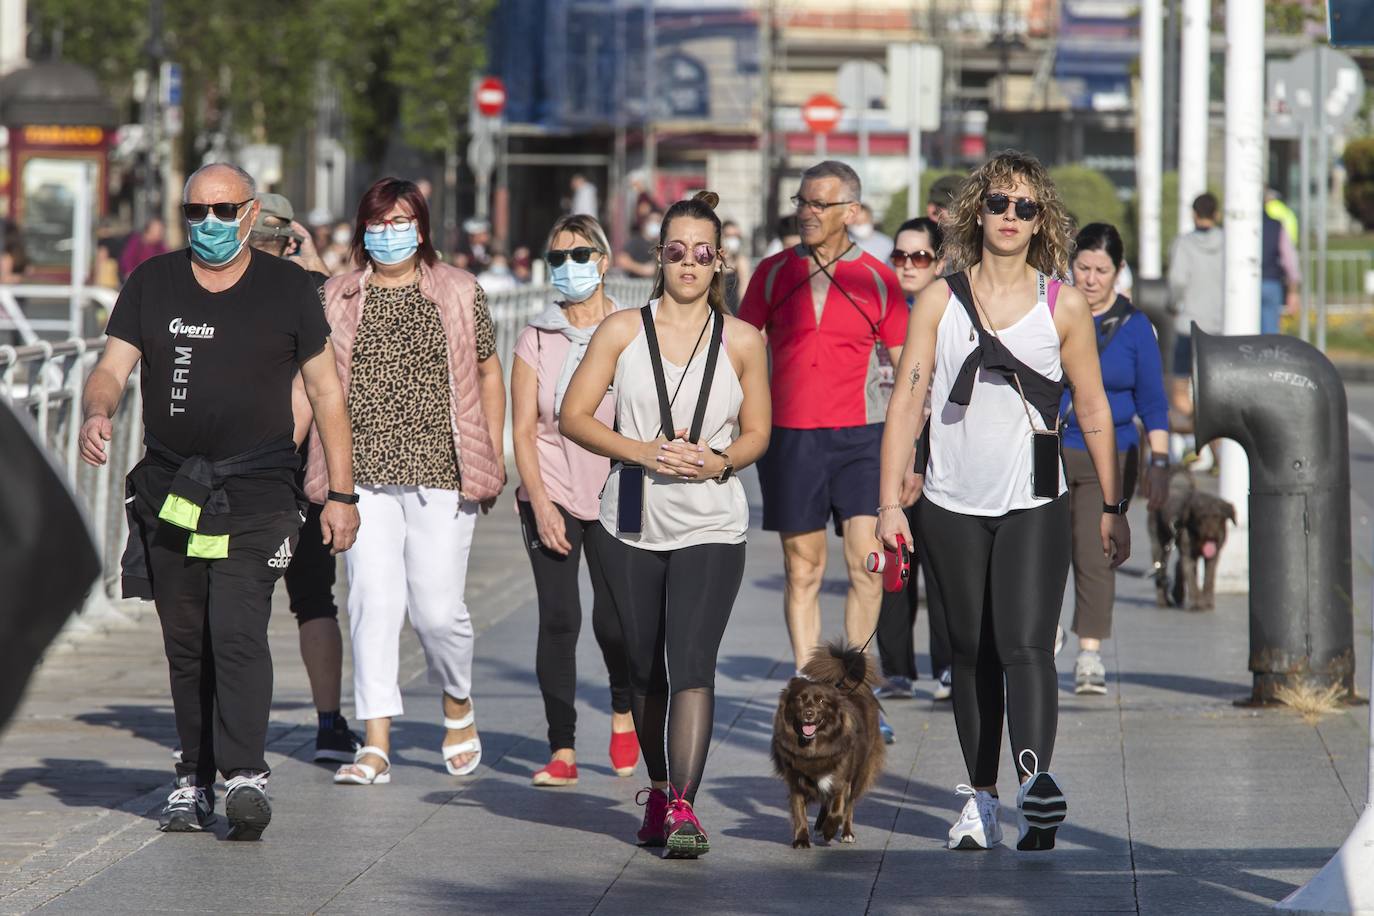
x=417 y=358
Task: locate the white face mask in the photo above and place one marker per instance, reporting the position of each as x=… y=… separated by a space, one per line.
x=731 y=244
x=861 y=230
x=341 y=236
x=651 y=229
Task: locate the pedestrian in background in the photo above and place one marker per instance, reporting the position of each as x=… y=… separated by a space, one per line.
x=1133 y=378
x=992 y=343
x=916 y=260
x=214 y=512
x=738 y=265
x=559 y=499
x=417 y=358
x=148 y=243
x=674 y=512
x=868 y=236
x=827 y=307
x=584 y=200
x=638 y=258
x=942 y=193
x=1197 y=269
x=1280 y=277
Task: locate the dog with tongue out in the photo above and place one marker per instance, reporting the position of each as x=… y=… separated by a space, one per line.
x=826 y=744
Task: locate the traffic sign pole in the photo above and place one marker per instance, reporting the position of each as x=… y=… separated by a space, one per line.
x=821 y=114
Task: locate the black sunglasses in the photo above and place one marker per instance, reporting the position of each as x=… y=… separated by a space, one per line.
x=581 y=255
x=224 y=212
x=921 y=259
x=1026 y=209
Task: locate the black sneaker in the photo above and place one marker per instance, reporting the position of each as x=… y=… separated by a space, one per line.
x=246 y=806
x=337 y=744
x=189 y=809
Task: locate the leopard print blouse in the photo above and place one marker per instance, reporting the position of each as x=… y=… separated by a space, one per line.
x=398 y=397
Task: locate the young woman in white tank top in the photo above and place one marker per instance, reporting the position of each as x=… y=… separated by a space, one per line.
x=997 y=538
x=675 y=565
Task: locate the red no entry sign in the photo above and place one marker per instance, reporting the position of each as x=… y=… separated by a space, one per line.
x=490 y=96
x=821 y=113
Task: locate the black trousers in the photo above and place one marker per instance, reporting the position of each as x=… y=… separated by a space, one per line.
x=673 y=607
x=897 y=618
x=214 y=616
x=1002 y=579
x=560 y=622
x=310 y=577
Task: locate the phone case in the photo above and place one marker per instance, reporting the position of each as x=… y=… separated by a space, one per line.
x=630 y=508
x=1045 y=464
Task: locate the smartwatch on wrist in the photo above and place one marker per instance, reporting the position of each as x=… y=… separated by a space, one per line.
x=347 y=498
x=1115 y=508
x=726 y=472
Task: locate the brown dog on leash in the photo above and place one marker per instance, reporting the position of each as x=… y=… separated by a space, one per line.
x=826 y=743
x=1194 y=522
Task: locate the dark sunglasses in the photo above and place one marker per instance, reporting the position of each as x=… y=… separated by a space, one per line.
x=1026 y=209
x=702 y=254
x=224 y=212
x=921 y=259
x=581 y=255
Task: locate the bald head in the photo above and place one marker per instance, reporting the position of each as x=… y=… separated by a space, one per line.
x=217 y=182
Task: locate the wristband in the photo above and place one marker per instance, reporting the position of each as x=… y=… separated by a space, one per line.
x=882 y=509
x=347 y=498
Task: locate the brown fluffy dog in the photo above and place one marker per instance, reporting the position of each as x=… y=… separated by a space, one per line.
x=826 y=743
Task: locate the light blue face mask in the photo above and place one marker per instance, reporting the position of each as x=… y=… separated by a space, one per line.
x=391 y=245
x=576 y=281
x=217 y=242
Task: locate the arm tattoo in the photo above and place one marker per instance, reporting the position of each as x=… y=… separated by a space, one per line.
x=1089 y=432
x=915 y=377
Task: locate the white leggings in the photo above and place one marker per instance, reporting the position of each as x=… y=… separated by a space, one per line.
x=411 y=554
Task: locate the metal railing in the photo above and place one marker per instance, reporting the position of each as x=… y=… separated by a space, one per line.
x=73 y=301
x=44 y=380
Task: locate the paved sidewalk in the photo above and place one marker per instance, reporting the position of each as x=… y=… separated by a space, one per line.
x=1180 y=802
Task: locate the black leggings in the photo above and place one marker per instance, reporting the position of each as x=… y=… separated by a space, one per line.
x=560 y=621
x=1002 y=580
x=673 y=606
x=897 y=617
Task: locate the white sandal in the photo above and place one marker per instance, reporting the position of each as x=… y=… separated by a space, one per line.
x=370 y=776
x=471 y=746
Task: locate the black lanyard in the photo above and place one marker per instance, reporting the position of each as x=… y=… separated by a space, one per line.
x=665 y=406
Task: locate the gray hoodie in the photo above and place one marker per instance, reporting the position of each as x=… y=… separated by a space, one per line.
x=1196 y=280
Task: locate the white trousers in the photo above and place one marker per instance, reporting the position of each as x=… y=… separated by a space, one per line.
x=411 y=555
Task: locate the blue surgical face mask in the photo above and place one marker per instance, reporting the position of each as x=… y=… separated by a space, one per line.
x=216 y=242
x=576 y=281
x=391 y=245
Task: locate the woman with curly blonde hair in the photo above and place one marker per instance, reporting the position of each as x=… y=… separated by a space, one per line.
x=992 y=343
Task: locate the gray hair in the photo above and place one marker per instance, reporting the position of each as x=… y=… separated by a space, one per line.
x=833 y=168
x=243 y=176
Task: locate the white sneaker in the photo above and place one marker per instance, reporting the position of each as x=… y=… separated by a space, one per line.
x=1040 y=806
x=944 y=687
x=1089 y=674
x=977 y=826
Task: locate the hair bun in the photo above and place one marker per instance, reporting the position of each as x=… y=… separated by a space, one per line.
x=709 y=198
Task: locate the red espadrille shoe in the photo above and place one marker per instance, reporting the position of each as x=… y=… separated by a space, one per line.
x=556 y=773
x=624 y=753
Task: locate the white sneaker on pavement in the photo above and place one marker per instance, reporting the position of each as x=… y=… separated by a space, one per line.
x=977 y=826
x=1089 y=674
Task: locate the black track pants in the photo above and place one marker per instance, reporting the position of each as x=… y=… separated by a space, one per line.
x=1002 y=580
x=560 y=622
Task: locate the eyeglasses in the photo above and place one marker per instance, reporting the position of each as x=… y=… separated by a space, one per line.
x=224 y=211
x=580 y=255
x=920 y=259
x=817 y=206
x=399 y=223
x=1026 y=209
x=702 y=254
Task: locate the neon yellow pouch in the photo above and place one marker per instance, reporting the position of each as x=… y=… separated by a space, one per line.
x=179 y=511
x=208 y=546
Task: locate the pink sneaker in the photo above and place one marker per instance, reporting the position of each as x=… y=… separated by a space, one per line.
x=655 y=807
x=684 y=835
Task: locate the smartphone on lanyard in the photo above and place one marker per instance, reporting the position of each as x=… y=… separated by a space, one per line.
x=629 y=515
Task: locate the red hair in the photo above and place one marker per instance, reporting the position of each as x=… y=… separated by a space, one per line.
x=385 y=194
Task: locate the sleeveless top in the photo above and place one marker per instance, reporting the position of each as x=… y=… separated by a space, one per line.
x=980 y=455
x=677 y=512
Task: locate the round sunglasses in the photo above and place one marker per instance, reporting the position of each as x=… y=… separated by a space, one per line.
x=919 y=259
x=580 y=255
x=702 y=253
x=224 y=211
x=1026 y=209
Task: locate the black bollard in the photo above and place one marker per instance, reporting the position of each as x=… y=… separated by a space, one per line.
x=1282 y=400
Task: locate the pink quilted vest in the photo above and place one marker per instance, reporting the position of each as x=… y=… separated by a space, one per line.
x=453 y=290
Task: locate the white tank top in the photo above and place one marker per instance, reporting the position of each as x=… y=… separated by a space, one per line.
x=677 y=512
x=980 y=455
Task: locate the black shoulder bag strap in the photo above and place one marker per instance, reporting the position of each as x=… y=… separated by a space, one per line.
x=665 y=405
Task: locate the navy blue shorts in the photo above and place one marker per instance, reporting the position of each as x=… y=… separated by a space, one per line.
x=1183 y=356
x=812 y=476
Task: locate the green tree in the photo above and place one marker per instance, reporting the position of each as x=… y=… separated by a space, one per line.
x=1359 y=186
x=896 y=205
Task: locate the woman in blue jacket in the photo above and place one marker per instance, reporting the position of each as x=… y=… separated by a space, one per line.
x=1134 y=379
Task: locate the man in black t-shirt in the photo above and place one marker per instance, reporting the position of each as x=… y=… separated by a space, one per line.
x=214 y=511
x=310 y=575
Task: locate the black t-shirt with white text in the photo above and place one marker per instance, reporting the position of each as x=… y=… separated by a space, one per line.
x=218 y=367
